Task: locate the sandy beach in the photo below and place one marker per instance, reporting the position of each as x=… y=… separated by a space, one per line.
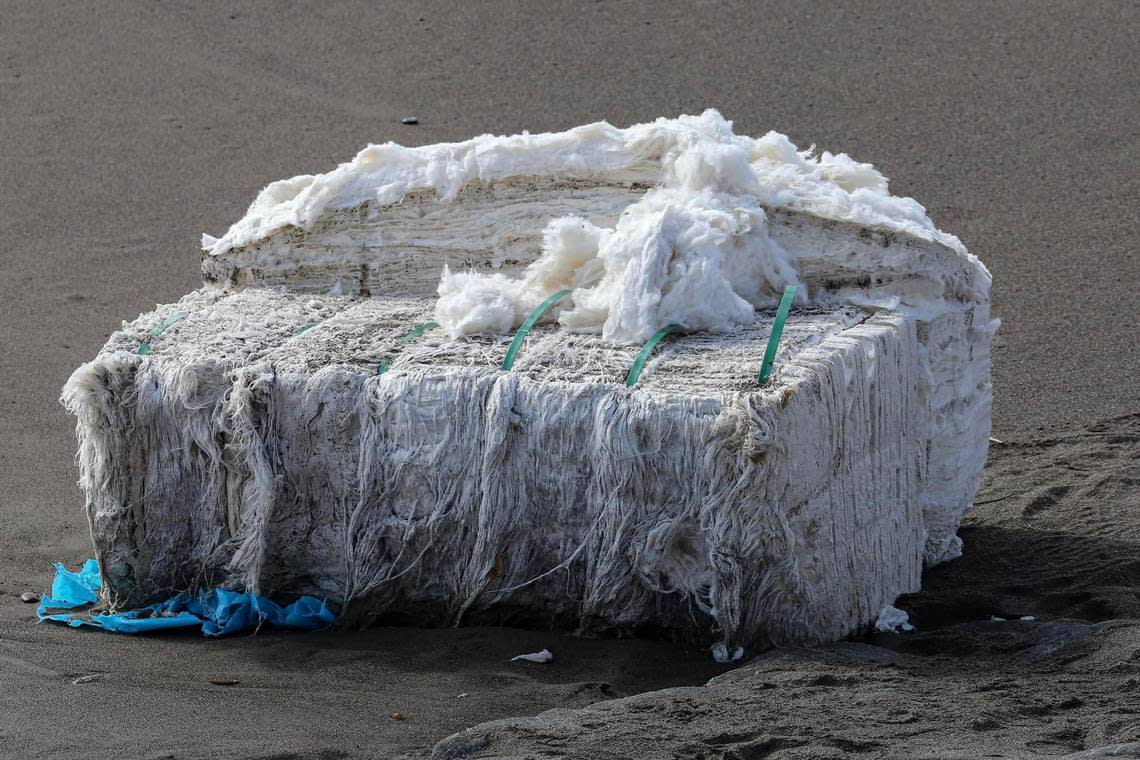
x=130 y=129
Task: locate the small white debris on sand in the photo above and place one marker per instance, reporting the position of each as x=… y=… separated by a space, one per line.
x=721 y=653
x=892 y=620
x=541 y=657
x=88 y=678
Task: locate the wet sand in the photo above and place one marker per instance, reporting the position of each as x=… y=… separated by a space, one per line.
x=130 y=129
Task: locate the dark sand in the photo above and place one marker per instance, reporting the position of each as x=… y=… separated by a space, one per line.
x=1057 y=541
x=129 y=130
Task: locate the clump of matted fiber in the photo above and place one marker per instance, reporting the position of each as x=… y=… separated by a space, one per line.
x=287 y=431
x=444 y=488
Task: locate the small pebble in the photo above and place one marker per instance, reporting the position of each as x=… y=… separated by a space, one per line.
x=409 y=120
x=397 y=716
x=29 y=598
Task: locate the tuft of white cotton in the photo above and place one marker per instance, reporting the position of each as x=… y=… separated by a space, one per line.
x=697 y=258
x=477 y=304
x=570 y=247
x=702 y=261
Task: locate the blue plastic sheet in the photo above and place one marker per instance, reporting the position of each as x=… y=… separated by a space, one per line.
x=217 y=612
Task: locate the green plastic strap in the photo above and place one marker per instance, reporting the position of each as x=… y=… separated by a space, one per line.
x=516 y=344
x=159 y=329
x=305 y=329
x=777 y=331
x=646 y=350
x=382 y=365
x=419 y=331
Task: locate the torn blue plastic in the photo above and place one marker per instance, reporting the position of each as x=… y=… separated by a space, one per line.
x=73 y=589
x=217 y=612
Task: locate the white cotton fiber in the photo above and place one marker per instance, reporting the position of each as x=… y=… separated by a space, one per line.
x=693 y=250
x=570 y=248
x=481 y=304
x=892 y=620
x=295 y=434
x=702 y=260
x=444 y=490
x=471 y=304
x=670 y=260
